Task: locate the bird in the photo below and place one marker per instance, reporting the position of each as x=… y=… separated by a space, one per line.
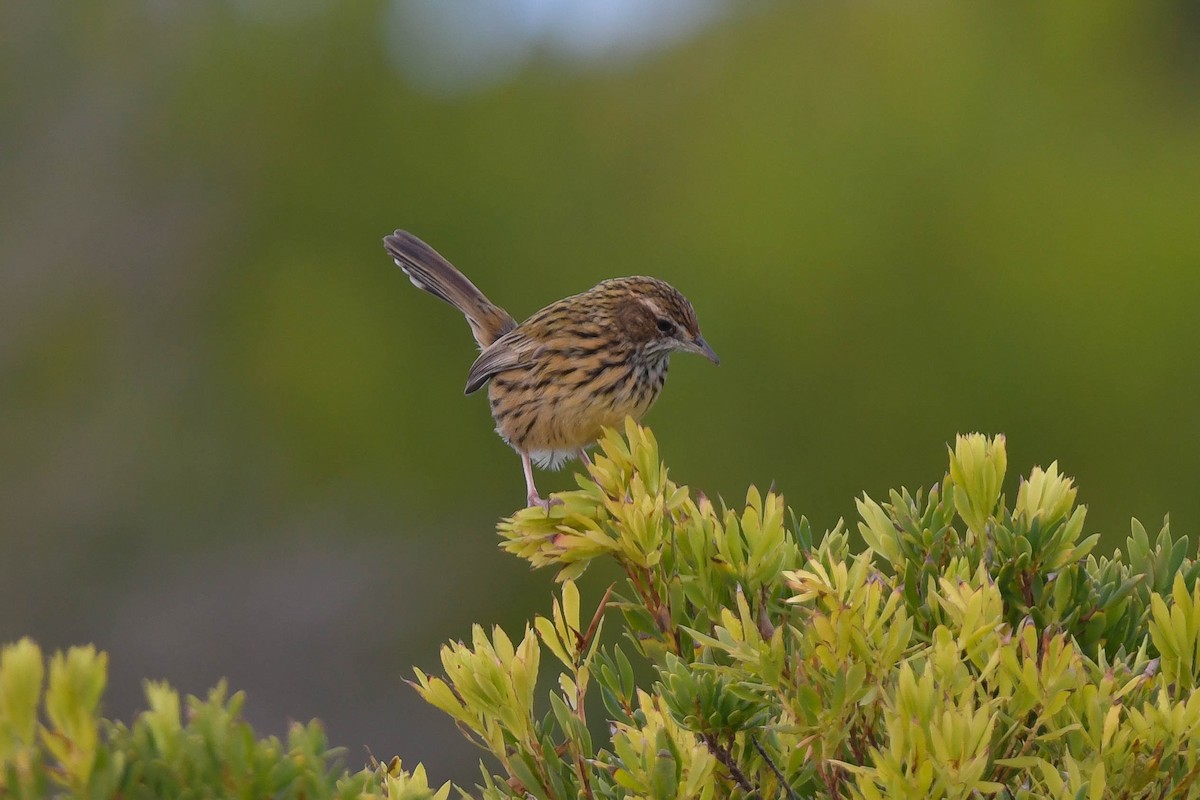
x=581 y=364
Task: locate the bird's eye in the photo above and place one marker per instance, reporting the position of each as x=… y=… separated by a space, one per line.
x=666 y=326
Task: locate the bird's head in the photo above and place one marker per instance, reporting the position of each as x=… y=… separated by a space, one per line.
x=657 y=317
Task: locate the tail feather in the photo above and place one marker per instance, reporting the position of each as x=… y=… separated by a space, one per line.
x=428 y=270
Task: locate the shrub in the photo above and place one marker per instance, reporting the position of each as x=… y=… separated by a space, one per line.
x=67 y=750
x=973 y=648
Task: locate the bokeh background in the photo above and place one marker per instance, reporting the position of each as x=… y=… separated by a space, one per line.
x=233 y=437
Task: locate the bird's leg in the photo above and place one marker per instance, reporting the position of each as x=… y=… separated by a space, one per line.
x=533 y=497
x=583 y=456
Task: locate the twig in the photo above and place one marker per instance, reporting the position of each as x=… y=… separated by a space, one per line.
x=779 y=775
x=726 y=759
x=586 y=639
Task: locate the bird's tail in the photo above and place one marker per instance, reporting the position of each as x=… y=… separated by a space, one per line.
x=427 y=270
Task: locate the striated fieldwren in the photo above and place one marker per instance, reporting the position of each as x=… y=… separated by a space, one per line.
x=578 y=365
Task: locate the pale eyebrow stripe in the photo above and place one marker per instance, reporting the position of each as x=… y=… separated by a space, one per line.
x=650 y=304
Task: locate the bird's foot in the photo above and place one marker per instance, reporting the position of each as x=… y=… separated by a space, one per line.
x=536 y=500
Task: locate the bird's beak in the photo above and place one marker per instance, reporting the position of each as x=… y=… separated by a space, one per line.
x=700 y=346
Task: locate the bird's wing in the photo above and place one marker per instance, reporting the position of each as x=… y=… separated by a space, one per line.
x=510 y=350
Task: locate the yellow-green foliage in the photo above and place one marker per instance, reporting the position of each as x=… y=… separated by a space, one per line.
x=68 y=750
x=973 y=649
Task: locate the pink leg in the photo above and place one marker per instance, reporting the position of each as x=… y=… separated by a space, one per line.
x=533 y=498
x=583 y=456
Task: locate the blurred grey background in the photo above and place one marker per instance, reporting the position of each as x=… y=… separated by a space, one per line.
x=234 y=438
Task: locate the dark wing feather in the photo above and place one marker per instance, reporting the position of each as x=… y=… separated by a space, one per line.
x=505 y=353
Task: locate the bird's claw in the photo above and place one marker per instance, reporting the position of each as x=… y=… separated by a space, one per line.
x=535 y=500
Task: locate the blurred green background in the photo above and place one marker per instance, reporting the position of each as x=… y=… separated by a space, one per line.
x=234 y=438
